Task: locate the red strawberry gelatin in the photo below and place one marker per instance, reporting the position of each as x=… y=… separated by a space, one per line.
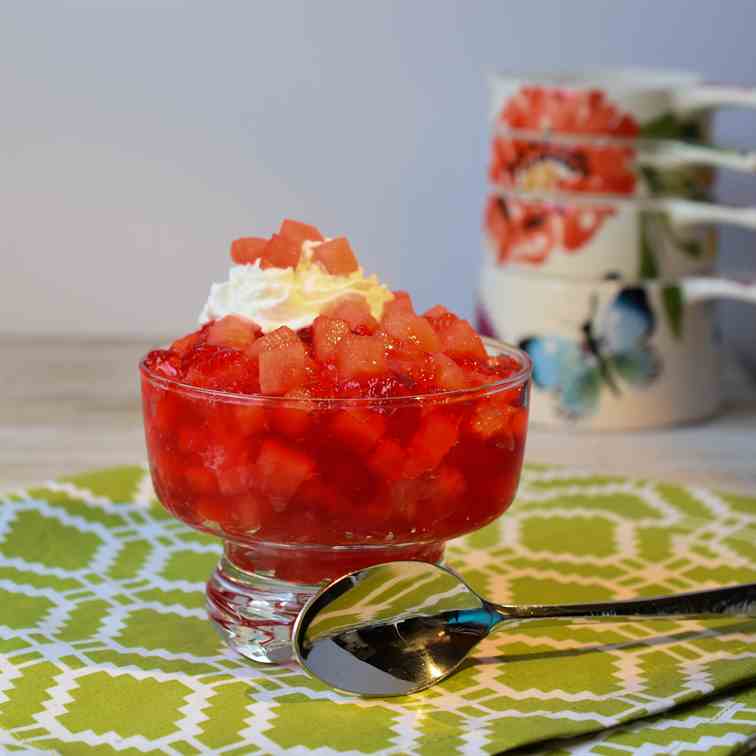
x=314 y=452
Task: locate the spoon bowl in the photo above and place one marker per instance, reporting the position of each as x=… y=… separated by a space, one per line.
x=387 y=629
x=396 y=628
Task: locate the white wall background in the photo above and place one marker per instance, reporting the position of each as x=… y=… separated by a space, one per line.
x=138 y=138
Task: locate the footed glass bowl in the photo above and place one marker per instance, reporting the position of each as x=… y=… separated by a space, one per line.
x=304 y=490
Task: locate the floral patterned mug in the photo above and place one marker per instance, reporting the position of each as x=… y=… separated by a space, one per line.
x=610 y=355
x=584 y=236
x=624 y=103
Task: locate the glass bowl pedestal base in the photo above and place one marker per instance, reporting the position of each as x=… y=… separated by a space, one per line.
x=253 y=599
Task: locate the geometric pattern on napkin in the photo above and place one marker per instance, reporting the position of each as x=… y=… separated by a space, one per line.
x=718 y=726
x=105 y=646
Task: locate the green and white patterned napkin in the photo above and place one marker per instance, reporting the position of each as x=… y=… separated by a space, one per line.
x=105 y=646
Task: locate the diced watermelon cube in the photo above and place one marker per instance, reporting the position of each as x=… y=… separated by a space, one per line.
x=449 y=375
x=233 y=331
x=387 y=459
x=326 y=335
x=281 y=252
x=459 y=341
x=247 y=250
x=410 y=327
x=293 y=420
x=336 y=256
x=186 y=343
x=355 y=310
x=410 y=365
x=220 y=368
x=435 y=312
x=299 y=232
x=491 y=419
x=441 y=320
x=282 y=369
x=358 y=429
x=228 y=457
x=273 y=340
x=235 y=477
x=436 y=435
x=402 y=302
x=360 y=358
x=413 y=367
x=246 y=511
x=280 y=469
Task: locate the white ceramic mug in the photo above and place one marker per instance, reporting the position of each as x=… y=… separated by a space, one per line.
x=584 y=236
x=611 y=354
x=614 y=102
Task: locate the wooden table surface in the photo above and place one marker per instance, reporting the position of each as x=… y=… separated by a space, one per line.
x=72 y=404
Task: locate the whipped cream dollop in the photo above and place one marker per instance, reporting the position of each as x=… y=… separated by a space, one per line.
x=292 y=297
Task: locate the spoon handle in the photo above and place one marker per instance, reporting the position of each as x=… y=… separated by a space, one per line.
x=737 y=600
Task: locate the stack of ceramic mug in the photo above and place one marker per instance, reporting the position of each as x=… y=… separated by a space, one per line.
x=600 y=238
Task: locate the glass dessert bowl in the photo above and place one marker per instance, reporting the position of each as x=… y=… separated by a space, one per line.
x=311 y=453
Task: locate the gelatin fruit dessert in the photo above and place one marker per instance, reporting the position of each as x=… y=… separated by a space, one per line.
x=318 y=424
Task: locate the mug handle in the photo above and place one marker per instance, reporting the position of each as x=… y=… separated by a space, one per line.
x=704 y=288
x=706 y=96
x=690 y=213
x=671 y=154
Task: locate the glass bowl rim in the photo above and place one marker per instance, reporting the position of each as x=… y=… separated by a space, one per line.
x=515 y=380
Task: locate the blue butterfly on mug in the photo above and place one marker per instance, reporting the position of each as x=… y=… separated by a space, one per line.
x=612 y=348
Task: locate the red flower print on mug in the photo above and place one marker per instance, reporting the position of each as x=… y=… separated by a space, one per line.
x=537 y=163
x=542 y=166
x=560 y=111
x=524 y=231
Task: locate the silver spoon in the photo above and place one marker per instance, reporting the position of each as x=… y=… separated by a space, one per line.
x=396 y=628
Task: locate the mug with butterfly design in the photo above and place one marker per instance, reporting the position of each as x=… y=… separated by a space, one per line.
x=613 y=354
